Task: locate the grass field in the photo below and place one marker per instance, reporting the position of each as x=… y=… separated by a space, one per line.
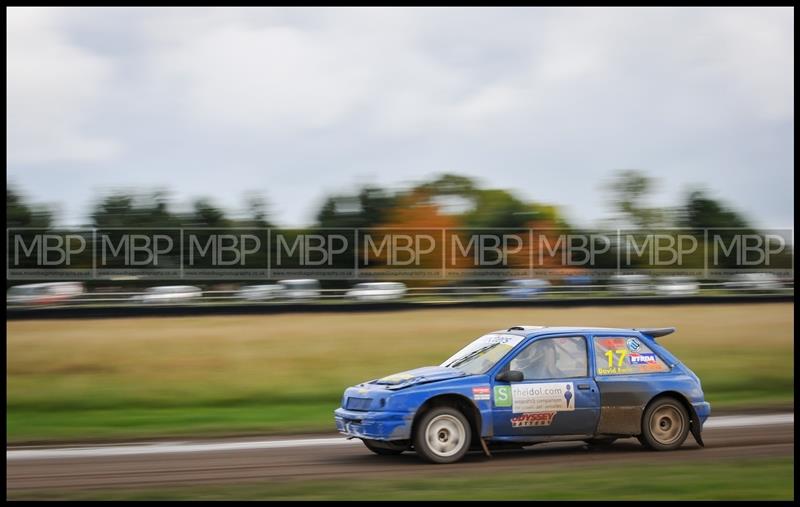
x=748 y=479
x=142 y=377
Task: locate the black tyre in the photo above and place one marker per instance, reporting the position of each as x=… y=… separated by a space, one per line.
x=385 y=448
x=665 y=425
x=601 y=441
x=442 y=435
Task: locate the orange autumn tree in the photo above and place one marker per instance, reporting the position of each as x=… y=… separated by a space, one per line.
x=492 y=212
x=417 y=214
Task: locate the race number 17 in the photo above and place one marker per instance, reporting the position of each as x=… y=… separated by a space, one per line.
x=610 y=354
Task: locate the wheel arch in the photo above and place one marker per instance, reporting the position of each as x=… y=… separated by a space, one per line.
x=694 y=421
x=457 y=401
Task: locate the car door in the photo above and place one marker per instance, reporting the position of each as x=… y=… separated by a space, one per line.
x=557 y=394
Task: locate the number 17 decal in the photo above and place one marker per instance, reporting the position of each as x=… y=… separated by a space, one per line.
x=620 y=352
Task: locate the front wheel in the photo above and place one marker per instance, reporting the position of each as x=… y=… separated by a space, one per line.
x=442 y=435
x=665 y=425
x=385 y=448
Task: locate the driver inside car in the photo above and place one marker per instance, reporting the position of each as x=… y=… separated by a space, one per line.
x=538 y=361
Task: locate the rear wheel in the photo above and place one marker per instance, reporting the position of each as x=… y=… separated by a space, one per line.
x=442 y=435
x=665 y=425
x=385 y=448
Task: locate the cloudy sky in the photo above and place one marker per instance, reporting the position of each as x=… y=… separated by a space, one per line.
x=296 y=104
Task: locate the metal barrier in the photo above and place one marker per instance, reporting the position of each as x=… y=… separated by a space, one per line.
x=337 y=299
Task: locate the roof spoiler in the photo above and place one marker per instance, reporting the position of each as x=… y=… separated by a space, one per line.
x=655 y=332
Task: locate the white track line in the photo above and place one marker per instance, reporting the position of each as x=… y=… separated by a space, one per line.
x=736 y=421
x=740 y=421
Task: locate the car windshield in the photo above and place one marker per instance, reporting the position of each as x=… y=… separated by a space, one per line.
x=479 y=356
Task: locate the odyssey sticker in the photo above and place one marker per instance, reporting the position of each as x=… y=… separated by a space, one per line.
x=533 y=419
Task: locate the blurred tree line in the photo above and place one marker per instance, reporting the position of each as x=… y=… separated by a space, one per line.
x=446 y=201
x=371 y=206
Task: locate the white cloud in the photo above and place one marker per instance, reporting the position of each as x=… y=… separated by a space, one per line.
x=279 y=77
x=754 y=52
x=292 y=98
x=51 y=87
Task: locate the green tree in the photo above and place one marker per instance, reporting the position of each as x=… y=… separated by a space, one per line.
x=122 y=209
x=20 y=214
x=500 y=209
x=701 y=211
x=369 y=208
x=257 y=212
x=205 y=214
x=629 y=192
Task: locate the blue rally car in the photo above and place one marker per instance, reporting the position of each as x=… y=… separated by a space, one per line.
x=530 y=384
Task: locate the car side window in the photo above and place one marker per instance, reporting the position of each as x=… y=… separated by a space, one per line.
x=553 y=358
x=625 y=355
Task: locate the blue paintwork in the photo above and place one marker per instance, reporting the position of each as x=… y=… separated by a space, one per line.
x=385 y=408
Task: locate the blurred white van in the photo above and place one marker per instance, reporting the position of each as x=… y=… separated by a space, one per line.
x=677 y=286
x=300 y=289
x=630 y=284
x=170 y=294
x=43 y=293
x=377 y=291
x=753 y=281
x=259 y=292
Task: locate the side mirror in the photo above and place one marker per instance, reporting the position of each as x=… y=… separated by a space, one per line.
x=510 y=376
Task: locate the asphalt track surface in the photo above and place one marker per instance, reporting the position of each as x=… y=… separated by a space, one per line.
x=159 y=464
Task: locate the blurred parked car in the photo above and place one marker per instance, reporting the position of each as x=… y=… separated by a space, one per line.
x=523 y=288
x=677 y=286
x=259 y=292
x=43 y=293
x=169 y=294
x=578 y=280
x=300 y=289
x=630 y=284
x=377 y=291
x=753 y=281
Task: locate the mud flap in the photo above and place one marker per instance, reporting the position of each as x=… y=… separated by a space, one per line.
x=485 y=448
x=694 y=427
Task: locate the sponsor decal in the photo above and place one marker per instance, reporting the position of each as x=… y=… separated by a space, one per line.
x=611 y=343
x=533 y=419
x=529 y=398
x=502 y=396
x=480 y=393
x=615 y=370
x=502 y=338
x=645 y=358
x=633 y=344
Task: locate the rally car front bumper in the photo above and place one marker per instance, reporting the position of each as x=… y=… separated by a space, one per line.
x=376 y=425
